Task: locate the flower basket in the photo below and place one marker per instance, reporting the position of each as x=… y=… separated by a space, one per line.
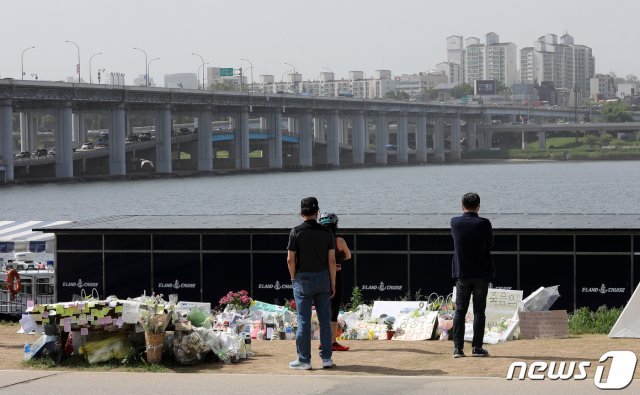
x=155 y=345
x=390 y=334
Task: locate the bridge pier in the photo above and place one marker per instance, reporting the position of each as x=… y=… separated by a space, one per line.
x=421 y=138
x=472 y=135
x=333 y=139
x=205 y=143
x=242 y=139
x=403 y=139
x=6 y=139
x=306 y=139
x=163 y=140
x=382 y=137
x=79 y=128
x=275 y=143
x=64 y=143
x=438 y=140
x=455 y=138
x=28 y=132
x=542 y=140
x=117 y=164
x=358 y=138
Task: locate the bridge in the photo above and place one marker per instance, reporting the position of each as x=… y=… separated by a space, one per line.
x=292 y=130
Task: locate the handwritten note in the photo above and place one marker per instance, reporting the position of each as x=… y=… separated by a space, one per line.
x=84 y=331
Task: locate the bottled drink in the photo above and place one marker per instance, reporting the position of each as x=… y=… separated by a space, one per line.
x=27 y=351
x=247 y=343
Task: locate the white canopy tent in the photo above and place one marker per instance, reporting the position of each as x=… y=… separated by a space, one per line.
x=628 y=324
x=20 y=236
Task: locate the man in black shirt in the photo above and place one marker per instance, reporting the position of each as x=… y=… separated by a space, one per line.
x=312 y=266
x=472 y=268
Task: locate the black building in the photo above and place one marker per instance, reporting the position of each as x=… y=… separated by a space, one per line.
x=594 y=258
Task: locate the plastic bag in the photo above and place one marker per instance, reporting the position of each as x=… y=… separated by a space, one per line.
x=107 y=348
x=188 y=348
x=197 y=316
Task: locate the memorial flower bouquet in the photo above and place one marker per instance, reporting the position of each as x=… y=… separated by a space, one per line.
x=236 y=300
x=291 y=305
x=155 y=312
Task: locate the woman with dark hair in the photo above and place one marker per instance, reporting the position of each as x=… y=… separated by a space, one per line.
x=343 y=254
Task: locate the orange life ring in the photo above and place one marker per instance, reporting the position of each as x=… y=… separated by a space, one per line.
x=14 y=285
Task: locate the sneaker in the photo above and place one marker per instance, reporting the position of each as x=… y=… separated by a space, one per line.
x=339 y=347
x=458 y=353
x=301 y=365
x=479 y=352
x=327 y=363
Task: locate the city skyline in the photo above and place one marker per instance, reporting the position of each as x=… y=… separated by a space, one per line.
x=312 y=37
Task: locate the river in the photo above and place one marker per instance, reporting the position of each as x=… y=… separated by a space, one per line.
x=511 y=187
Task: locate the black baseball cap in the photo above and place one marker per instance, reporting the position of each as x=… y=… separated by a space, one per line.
x=309 y=206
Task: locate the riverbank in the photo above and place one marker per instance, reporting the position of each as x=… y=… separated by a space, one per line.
x=371 y=358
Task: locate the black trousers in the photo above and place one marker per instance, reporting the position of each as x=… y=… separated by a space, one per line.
x=465 y=289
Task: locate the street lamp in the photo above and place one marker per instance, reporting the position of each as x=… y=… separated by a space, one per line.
x=22 y=61
x=295 y=85
x=90 y=59
x=251 y=68
x=202 y=65
x=202 y=59
x=149 y=68
x=146 y=66
x=78 y=47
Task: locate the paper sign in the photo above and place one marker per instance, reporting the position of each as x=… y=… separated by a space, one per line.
x=408 y=327
x=27 y=323
x=130 y=312
x=395 y=309
x=543 y=324
x=84 y=331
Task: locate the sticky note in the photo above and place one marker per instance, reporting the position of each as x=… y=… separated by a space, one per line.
x=59 y=309
x=94 y=312
x=118 y=309
x=45 y=314
x=108 y=320
x=45 y=320
x=119 y=321
x=85 y=309
x=105 y=311
x=73 y=319
x=37 y=317
x=81 y=305
x=84 y=331
x=52 y=312
x=67 y=328
x=91 y=305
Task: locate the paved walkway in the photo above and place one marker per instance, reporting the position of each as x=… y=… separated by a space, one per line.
x=119 y=383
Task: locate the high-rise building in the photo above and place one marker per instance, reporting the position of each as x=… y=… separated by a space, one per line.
x=501 y=60
x=474 y=61
x=527 y=65
x=602 y=87
x=455 y=54
x=569 y=66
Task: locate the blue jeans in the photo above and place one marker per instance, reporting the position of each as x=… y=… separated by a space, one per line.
x=313 y=288
x=465 y=287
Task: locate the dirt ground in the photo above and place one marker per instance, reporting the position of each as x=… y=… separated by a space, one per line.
x=384 y=357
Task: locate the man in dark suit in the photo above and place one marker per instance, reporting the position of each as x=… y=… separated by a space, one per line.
x=472 y=269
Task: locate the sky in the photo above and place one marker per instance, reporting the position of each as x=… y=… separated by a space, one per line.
x=404 y=36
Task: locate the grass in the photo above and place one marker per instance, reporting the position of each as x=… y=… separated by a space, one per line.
x=133 y=363
x=584 y=321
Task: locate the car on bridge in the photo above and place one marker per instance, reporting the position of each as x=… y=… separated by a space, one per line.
x=132 y=138
x=23 y=155
x=88 y=145
x=146 y=136
x=42 y=152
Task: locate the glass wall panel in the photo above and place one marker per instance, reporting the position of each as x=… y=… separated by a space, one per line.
x=393 y=242
x=603 y=243
x=228 y=242
x=506 y=271
x=603 y=280
x=505 y=243
x=177 y=273
x=176 y=242
x=551 y=243
x=225 y=272
x=76 y=271
x=430 y=273
x=124 y=242
x=79 y=242
x=546 y=270
x=271 y=278
x=127 y=275
x=270 y=242
x=431 y=242
x=382 y=276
